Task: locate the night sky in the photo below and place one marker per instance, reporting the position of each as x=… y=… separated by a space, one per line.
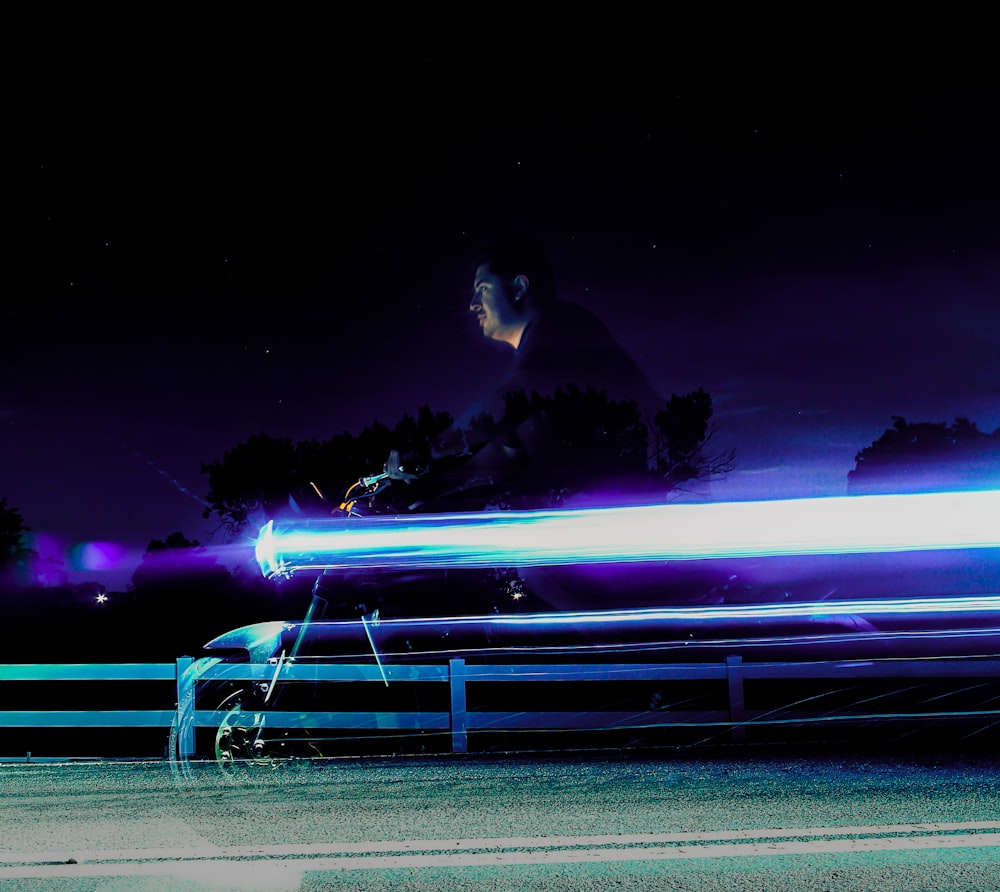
x=204 y=265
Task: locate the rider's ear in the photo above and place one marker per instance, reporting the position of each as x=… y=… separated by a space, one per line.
x=520 y=287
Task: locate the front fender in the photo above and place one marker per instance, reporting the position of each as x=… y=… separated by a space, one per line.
x=261 y=641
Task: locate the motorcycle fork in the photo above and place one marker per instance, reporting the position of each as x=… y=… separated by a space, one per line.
x=314 y=613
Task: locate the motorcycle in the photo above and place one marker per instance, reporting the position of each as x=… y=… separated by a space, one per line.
x=398 y=596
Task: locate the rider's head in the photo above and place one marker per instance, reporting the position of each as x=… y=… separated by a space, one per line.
x=513 y=280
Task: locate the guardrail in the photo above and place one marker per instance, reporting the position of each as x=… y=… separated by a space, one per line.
x=459 y=720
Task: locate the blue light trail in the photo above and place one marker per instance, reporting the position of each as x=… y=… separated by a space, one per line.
x=968 y=625
x=820 y=526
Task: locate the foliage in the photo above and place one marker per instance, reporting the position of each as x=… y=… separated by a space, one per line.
x=250 y=477
x=927 y=455
x=14 y=553
x=255 y=480
x=167 y=562
x=568 y=440
x=683 y=433
x=581 y=427
x=589 y=437
x=572 y=436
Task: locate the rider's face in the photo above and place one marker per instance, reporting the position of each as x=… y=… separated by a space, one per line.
x=492 y=304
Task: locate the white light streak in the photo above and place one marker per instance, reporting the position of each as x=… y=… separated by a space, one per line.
x=843 y=525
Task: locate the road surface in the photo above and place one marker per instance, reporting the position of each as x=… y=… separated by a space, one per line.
x=733 y=820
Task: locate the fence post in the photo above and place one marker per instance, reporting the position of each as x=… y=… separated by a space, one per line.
x=734 y=678
x=185 y=707
x=459 y=733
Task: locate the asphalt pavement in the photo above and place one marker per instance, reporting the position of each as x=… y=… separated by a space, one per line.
x=739 y=819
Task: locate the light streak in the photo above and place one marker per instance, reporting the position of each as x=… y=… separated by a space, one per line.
x=869 y=608
x=820 y=526
x=670 y=627
x=162 y=472
x=987 y=606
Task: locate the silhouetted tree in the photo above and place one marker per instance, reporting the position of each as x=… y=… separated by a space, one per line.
x=587 y=436
x=15 y=555
x=574 y=437
x=595 y=436
x=927 y=455
x=337 y=463
x=682 y=442
x=177 y=559
x=251 y=478
x=256 y=480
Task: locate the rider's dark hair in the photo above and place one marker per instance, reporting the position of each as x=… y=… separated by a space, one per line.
x=516 y=257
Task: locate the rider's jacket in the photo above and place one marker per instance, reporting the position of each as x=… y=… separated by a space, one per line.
x=531 y=438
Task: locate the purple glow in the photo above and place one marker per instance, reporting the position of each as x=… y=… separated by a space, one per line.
x=97 y=556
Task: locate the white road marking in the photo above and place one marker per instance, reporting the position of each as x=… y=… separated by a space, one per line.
x=281 y=861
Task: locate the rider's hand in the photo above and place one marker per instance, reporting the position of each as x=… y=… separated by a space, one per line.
x=395 y=470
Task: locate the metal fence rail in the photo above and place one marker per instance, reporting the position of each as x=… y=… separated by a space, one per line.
x=186 y=674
